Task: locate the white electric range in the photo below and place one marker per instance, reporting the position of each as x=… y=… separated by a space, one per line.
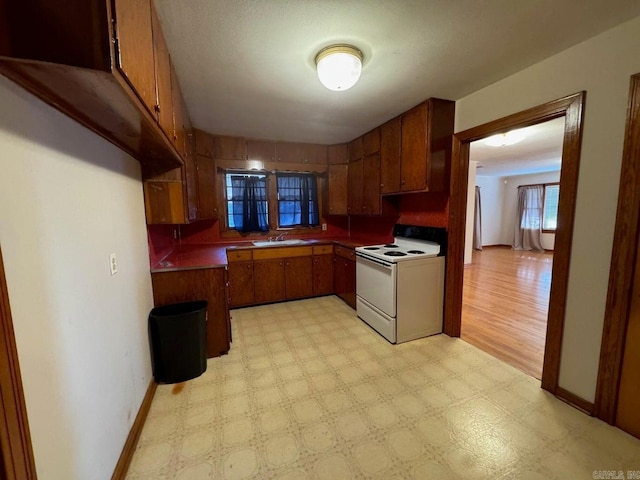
x=400 y=285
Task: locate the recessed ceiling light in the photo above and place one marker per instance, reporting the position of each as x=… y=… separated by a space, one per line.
x=504 y=139
x=339 y=66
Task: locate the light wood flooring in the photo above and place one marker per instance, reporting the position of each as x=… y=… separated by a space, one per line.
x=505 y=304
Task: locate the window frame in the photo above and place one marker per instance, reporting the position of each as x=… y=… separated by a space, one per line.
x=279 y=200
x=544 y=200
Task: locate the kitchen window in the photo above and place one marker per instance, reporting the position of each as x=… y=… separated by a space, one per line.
x=297 y=200
x=247 y=202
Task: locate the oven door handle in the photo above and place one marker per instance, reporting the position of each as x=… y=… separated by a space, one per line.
x=374 y=260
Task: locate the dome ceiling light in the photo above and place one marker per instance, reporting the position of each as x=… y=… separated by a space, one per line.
x=504 y=139
x=339 y=66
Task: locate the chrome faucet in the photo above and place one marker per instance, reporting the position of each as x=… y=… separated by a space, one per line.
x=281 y=236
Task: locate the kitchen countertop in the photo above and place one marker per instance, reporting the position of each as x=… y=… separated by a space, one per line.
x=214 y=255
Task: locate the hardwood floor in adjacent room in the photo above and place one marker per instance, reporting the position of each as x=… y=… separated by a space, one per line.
x=505 y=304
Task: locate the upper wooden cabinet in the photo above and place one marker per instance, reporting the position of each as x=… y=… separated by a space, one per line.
x=390 y=138
x=425 y=154
x=105 y=64
x=164 y=102
x=229 y=148
x=261 y=150
x=371 y=142
x=135 y=56
x=338 y=190
x=356 y=149
x=287 y=152
x=337 y=154
x=204 y=143
x=371 y=203
x=355 y=181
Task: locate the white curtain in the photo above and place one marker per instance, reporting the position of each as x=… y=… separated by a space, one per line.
x=477 y=222
x=528 y=231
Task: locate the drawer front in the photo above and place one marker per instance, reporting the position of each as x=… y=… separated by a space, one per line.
x=322 y=249
x=238 y=255
x=276 y=252
x=347 y=253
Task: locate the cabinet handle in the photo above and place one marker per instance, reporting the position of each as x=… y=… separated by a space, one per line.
x=156 y=108
x=402 y=182
x=248 y=266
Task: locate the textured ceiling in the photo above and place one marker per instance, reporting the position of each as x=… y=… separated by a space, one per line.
x=540 y=151
x=246 y=67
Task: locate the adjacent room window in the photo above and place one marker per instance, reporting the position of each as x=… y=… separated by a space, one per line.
x=247 y=204
x=550 y=216
x=297 y=200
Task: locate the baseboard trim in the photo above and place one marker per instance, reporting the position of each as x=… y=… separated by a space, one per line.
x=575 y=401
x=124 y=461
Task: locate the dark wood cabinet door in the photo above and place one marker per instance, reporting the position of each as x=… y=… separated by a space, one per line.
x=134 y=57
x=390 y=138
x=339 y=278
x=203 y=284
x=338 y=189
x=288 y=152
x=337 y=154
x=241 y=284
x=180 y=116
x=314 y=153
x=229 y=148
x=261 y=150
x=269 y=280
x=355 y=181
x=350 y=283
x=191 y=183
x=371 y=185
x=413 y=154
x=164 y=104
x=204 y=143
x=322 y=274
x=164 y=202
x=207 y=205
x=371 y=142
x=298 y=277
x=355 y=149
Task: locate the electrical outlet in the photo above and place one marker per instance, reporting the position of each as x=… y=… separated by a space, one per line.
x=324 y=227
x=113 y=264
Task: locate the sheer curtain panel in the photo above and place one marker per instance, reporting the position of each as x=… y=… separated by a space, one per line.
x=528 y=231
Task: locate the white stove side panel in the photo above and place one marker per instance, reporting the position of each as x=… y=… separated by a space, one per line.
x=420 y=298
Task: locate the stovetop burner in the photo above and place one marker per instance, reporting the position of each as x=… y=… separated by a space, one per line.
x=390 y=245
x=395 y=254
x=415 y=252
x=372 y=248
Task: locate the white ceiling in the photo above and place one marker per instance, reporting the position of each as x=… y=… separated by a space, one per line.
x=540 y=151
x=246 y=67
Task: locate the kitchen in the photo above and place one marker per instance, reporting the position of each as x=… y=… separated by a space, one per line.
x=52 y=244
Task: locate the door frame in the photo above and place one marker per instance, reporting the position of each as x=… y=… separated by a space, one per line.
x=15 y=440
x=572 y=108
x=623 y=261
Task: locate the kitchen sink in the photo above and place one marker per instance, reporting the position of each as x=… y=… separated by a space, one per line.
x=278 y=243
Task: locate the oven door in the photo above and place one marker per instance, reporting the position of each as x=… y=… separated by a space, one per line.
x=376 y=283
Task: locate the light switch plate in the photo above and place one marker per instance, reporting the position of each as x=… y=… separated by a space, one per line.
x=324 y=227
x=113 y=264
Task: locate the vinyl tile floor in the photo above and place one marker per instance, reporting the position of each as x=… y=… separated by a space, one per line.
x=308 y=391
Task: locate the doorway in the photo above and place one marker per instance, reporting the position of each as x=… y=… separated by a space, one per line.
x=16 y=454
x=571 y=108
x=510 y=234
x=617 y=391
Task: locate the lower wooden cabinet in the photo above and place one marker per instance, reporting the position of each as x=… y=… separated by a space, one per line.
x=269 y=280
x=298 y=274
x=322 y=274
x=241 y=284
x=208 y=284
x=344 y=275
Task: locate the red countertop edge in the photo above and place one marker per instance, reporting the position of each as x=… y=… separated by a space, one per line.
x=214 y=255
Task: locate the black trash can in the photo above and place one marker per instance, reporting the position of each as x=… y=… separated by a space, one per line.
x=178 y=337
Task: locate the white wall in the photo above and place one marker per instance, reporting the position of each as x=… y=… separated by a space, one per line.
x=471 y=208
x=511 y=204
x=68 y=199
x=602 y=66
x=492 y=204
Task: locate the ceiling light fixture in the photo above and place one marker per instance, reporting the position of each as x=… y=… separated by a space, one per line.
x=339 y=66
x=504 y=139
